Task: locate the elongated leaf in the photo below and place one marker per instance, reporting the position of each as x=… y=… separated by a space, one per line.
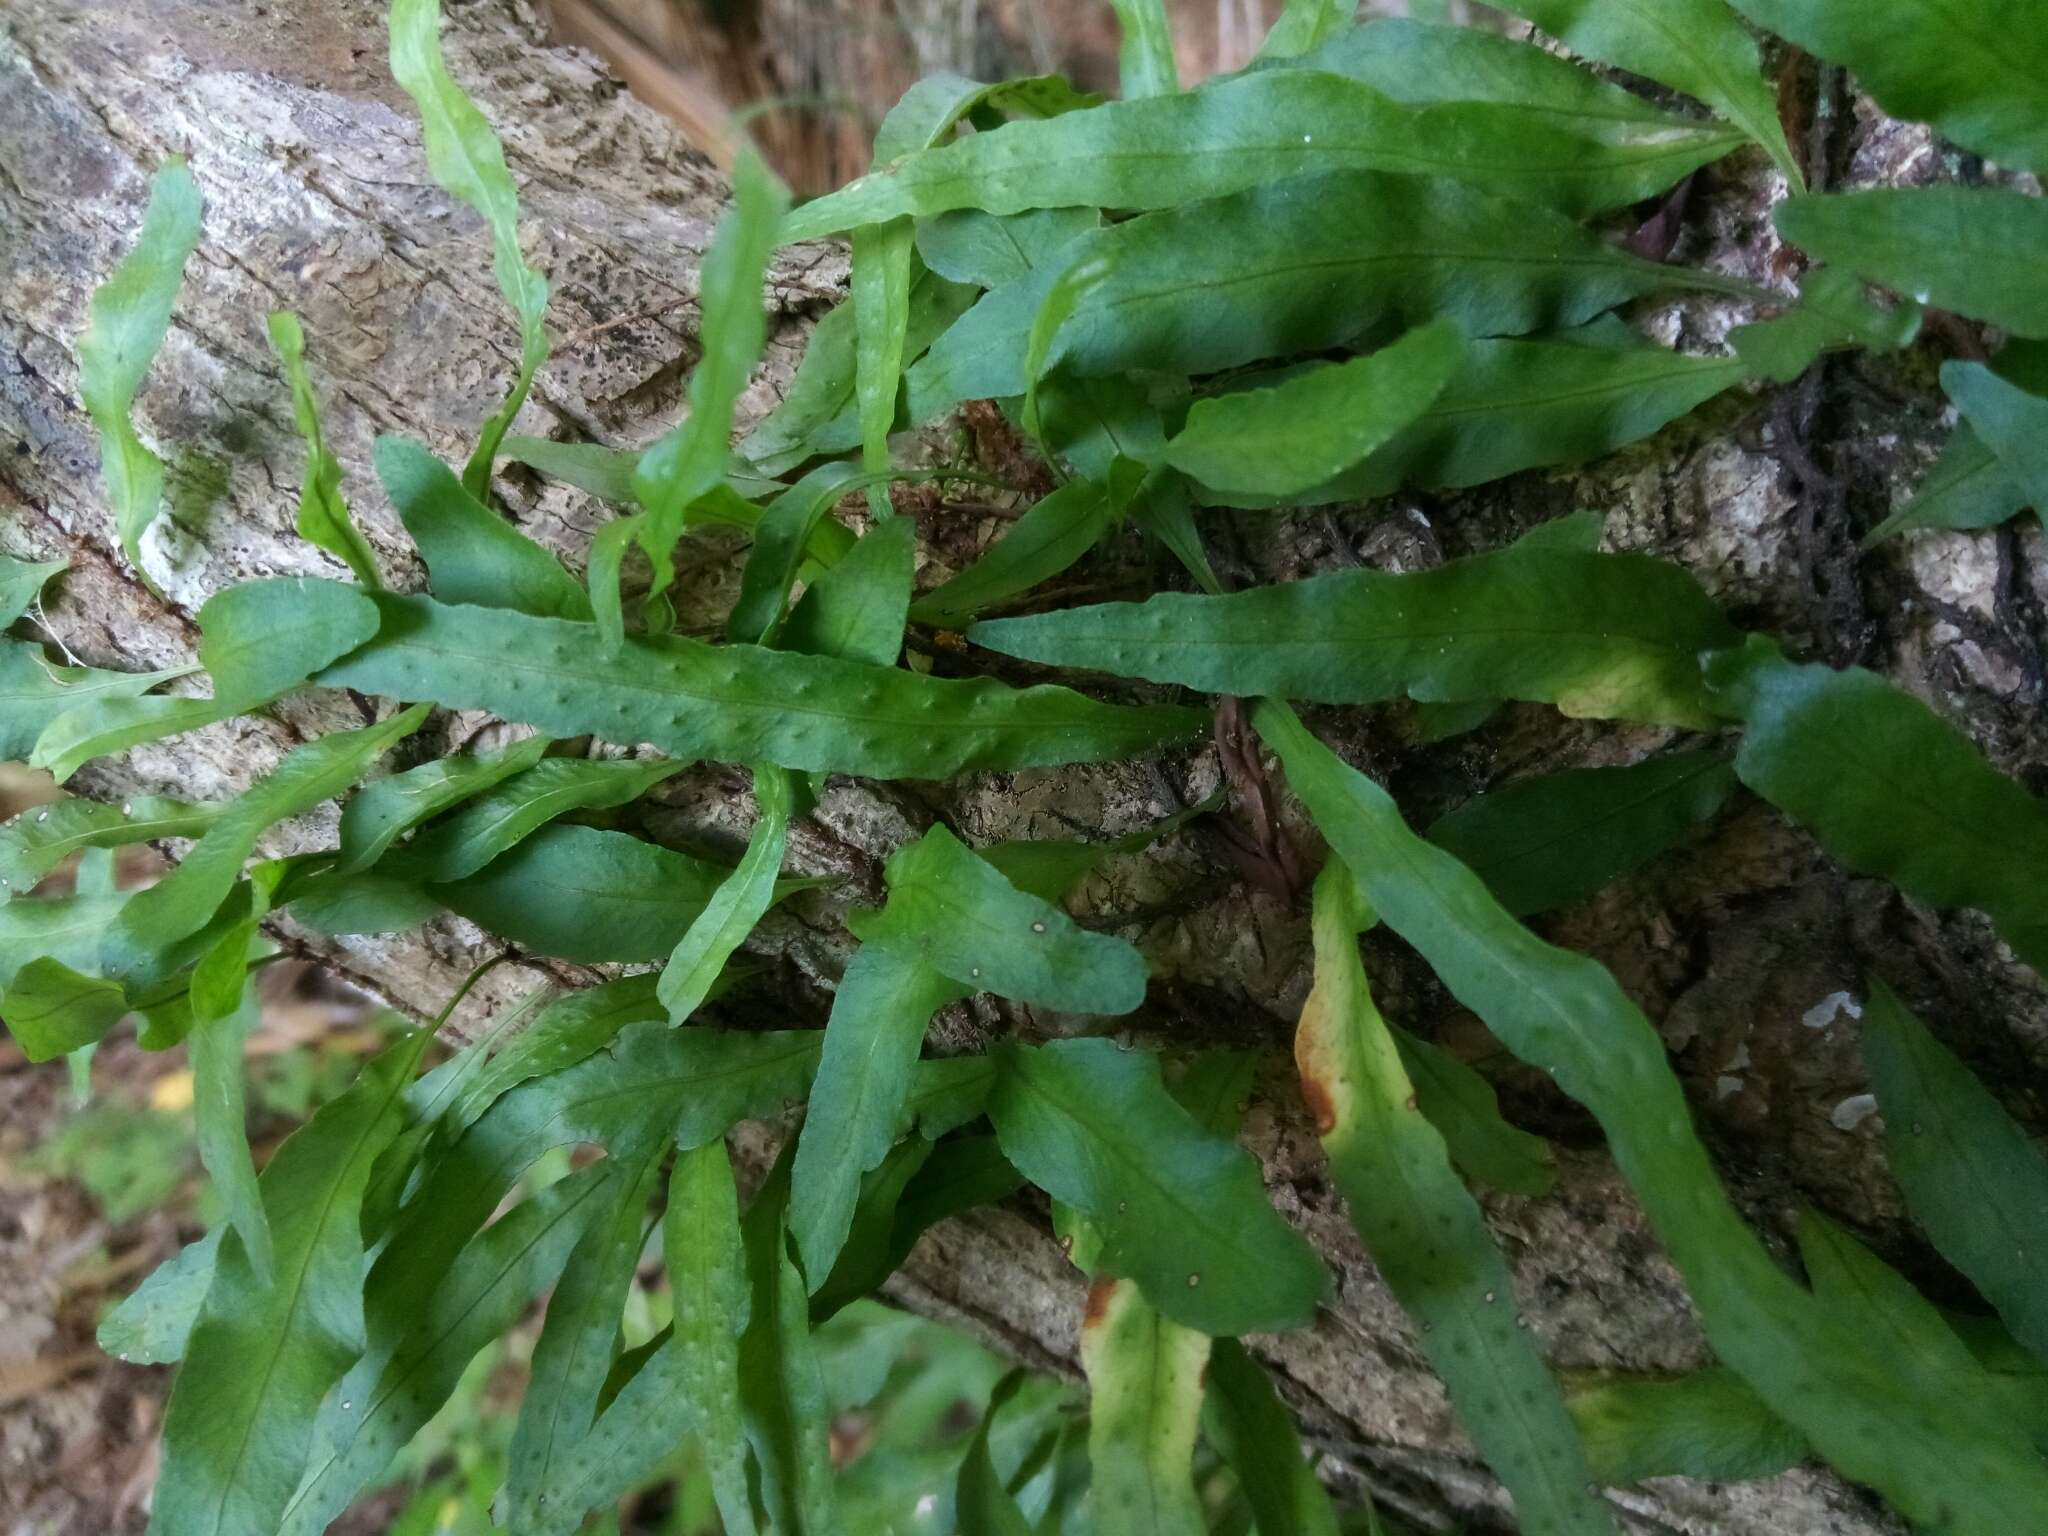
x=1053 y=533
x=1972 y=1177
x=1619 y=635
x=1292 y=437
x=980 y=1501
x=1549 y=841
x=737 y=905
x=1975 y=250
x=38 y=840
x=1967 y=488
x=857 y=609
x=1180 y=1210
x=51 y=1009
x=265 y=637
x=130 y=313
x=261 y=1357
x=567 y=1031
x=885 y=1000
x=215 y=1051
x=782 y=1390
x=1954 y=63
x=108 y=719
x=1253 y=1431
x=323 y=518
x=468 y=161
x=690 y=460
x=1833 y=312
x=738 y=703
x=1144 y=1406
x=1301 y=25
x=502 y=817
x=582 y=894
x=1240 y=133
x=185 y=899
x=2012 y=422
x=472 y=554
x=780 y=545
x=154 y=1321
x=484 y=1292
x=1297 y=265
x=1697 y=46
x=1564 y=1013
x=881 y=309
x=1706 y=1425
x=21 y=582
x=378 y=814
x=959 y=915
x=34 y=692
x=969 y=246
x=573 y=1354
x=1889 y=788
x=1426 y=1233
x=1900 y=1321
x=66 y=930
x=1145 y=64
x=1466 y=1113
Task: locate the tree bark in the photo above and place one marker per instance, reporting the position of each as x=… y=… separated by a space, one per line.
x=318 y=200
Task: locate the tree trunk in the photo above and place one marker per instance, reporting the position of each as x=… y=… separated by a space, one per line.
x=318 y=200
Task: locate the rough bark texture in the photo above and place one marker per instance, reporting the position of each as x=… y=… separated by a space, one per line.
x=318 y=199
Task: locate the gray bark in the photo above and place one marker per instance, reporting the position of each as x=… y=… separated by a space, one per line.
x=318 y=199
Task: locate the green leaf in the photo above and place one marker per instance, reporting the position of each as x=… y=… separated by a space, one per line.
x=38 y=840
x=66 y=929
x=1301 y=25
x=738 y=703
x=1889 y=788
x=857 y=609
x=1697 y=46
x=1600 y=636
x=729 y=916
x=35 y=692
x=1972 y=1177
x=53 y=1010
x=214 y=1050
x=1145 y=1376
x=1523 y=404
x=573 y=1354
x=581 y=894
x=323 y=518
x=265 y=637
x=1952 y=1461
x=567 y=1031
x=154 y=1321
x=109 y=718
x=488 y=1287
x=261 y=1357
x=690 y=460
x=881 y=310
x=980 y=1501
x=1145 y=64
x=1292 y=437
x=1974 y=250
x=1897 y=1319
x=183 y=901
x=1833 y=312
x=472 y=554
x=956 y=913
x=1053 y=533
x=20 y=583
x=1254 y=1433
x=1958 y=64
x=1243 y=132
x=368 y=901
x=1181 y=1210
x=467 y=160
x=1323 y=260
x=886 y=998
x=1967 y=488
x=129 y=316
x=1426 y=1233
x=781 y=543
x=378 y=814
x=462 y=843
x=1466 y=1113
x=782 y=1393
x=1554 y=839
x=2012 y=422
x=1706 y=1424
x=969 y=246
